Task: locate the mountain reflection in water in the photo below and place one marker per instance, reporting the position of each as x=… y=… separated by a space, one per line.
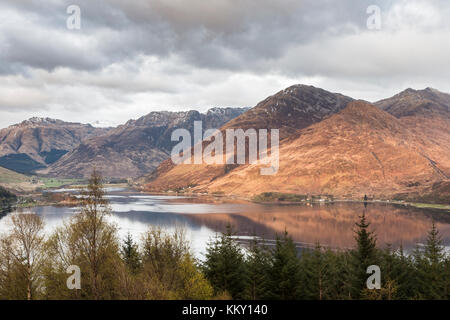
x=329 y=224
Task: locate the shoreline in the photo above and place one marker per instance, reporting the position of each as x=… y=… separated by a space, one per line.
x=419 y=205
x=234 y=198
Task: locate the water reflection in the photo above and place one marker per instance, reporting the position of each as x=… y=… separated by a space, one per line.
x=331 y=225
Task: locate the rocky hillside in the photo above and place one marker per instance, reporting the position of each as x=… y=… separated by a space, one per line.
x=291 y=109
x=38 y=142
x=136 y=147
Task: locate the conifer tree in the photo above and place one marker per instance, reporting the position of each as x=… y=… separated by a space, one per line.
x=400 y=270
x=130 y=254
x=318 y=274
x=284 y=276
x=446 y=276
x=431 y=266
x=258 y=267
x=224 y=265
x=364 y=255
x=434 y=251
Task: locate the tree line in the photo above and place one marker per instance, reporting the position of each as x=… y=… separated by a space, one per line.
x=161 y=265
x=7 y=198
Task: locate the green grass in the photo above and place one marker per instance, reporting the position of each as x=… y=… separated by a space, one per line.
x=278 y=196
x=56 y=182
x=8 y=176
x=18 y=181
x=431 y=205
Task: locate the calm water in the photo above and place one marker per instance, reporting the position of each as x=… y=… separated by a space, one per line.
x=330 y=224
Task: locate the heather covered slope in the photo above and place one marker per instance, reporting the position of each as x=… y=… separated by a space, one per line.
x=361 y=150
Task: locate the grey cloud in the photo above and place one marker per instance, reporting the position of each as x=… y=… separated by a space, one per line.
x=134 y=56
x=222 y=34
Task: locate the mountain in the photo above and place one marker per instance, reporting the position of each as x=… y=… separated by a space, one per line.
x=425 y=103
x=289 y=110
x=136 y=147
x=360 y=150
x=427 y=114
x=38 y=142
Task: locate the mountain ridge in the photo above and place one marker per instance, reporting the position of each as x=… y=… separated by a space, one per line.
x=136 y=147
x=37 y=142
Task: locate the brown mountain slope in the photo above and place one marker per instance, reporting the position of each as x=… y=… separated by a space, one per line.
x=361 y=150
x=137 y=147
x=291 y=109
x=427 y=114
x=38 y=142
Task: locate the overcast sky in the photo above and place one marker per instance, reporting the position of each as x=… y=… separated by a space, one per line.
x=136 y=56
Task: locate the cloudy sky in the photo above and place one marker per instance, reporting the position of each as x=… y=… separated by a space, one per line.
x=136 y=56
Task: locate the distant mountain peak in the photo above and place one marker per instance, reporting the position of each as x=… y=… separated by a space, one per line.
x=430 y=89
x=419 y=92
x=293 y=108
x=40 y=120
x=46 y=121
x=38 y=142
x=409 y=102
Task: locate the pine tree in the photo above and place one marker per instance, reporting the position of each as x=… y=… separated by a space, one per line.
x=364 y=255
x=434 y=251
x=130 y=254
x=224 y=265
x=258 y=267
x=433 y=266
x=402 y=271
x=316 y=273
x=284 y=276
x=446 y=276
